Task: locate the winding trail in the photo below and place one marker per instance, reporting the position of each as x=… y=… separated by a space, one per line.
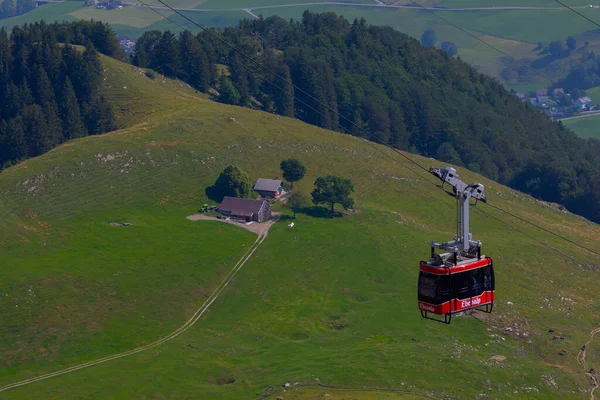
x=581 y=360
x=190 y=322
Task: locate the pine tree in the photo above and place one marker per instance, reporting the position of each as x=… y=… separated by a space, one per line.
x=42 y=88
x=5 y=80
x=99 y=117
x=195 y=69
x=168 y=57
x=240 y=78
x=73 y=126
x=284 y=99
x=144 y=51
x=34 y=123
x=16 y=144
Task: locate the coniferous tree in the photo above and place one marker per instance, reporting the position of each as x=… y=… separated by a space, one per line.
x=35 y=71
x=195 y=69
x=14 y=142
x=284 y=98
x=99 y=117
x=145 y=48
x=5 y=80
x=241 y=80
x=168 y=57
x=73 y=126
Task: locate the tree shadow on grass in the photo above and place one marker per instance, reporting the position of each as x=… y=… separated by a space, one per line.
x=320 y=212
x=544 y=61
x=212 y=193
x=285 y=218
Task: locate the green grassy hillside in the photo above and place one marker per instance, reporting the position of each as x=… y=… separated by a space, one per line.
x=331 y=301
x=586 y=127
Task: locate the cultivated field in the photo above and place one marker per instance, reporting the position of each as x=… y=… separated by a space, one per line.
x=329 y=302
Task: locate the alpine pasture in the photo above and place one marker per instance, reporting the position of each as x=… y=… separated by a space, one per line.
x=329 y=304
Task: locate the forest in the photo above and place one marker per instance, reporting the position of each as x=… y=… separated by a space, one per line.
x=583 y=75
x=11 y=8
x=388 y=88
x=49 y=89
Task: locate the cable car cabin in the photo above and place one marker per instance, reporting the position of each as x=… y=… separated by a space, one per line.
x=447 y=287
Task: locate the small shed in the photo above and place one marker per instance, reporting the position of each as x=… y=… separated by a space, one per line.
x=269 y=188
x=245 y=209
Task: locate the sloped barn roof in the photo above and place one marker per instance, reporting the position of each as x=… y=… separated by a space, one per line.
x=241 y=207
x=267 y=185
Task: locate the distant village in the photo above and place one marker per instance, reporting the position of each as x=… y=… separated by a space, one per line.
x=557 y=104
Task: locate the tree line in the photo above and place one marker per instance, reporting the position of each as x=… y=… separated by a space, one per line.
x=49 y=90
x=583 y=75
x=385 y=87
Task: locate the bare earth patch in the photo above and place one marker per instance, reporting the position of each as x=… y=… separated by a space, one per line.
x=255 y=227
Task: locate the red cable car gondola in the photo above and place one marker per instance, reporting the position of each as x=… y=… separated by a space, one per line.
x=461 y=278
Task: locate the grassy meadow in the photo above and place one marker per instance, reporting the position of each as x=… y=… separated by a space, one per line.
x=586 y=127
x=327 y=305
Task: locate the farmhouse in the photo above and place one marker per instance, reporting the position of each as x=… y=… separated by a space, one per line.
x=245 y=209
x=269 y=188
x=583 y=102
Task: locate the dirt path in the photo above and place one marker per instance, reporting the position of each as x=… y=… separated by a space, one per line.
x=249 y=11
x=581 y=360
x=587 y=114
x=258 y=228
x=190 y=322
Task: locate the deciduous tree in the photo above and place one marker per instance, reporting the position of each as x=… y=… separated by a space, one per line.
x=293 y=170
x=296 y=201
x=233 y=182
x=333 y=190
x=428 y=38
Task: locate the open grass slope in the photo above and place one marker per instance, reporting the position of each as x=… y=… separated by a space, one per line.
x=329 y=302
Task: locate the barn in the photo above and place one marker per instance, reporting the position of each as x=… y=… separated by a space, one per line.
x=245 y=209
x=269 y=188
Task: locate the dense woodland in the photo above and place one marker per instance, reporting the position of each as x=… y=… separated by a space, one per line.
x=50 y=90
x=583 y=75
x=11 y=8
x=386 y=87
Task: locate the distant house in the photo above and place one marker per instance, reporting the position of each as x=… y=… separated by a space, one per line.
x=245 y=209
x=521 y=96
x=558 y=93
x=270 y=188
x=556 y=113
x=542 y=100
x=541 y=92
x=583 y=103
